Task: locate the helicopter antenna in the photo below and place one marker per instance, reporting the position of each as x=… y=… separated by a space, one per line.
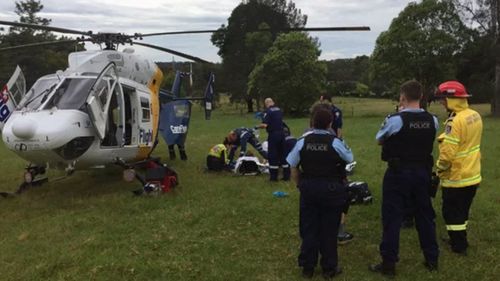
x=191 y=75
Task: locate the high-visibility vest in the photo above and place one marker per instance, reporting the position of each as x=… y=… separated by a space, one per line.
x=219 y=151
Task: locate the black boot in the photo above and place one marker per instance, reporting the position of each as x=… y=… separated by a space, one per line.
x=308 y=272
x=273 y=174
x=286 y=174
x=183 y=154
x=171 y=152
x=385 y=268
x=431 y=265
x=329 y=274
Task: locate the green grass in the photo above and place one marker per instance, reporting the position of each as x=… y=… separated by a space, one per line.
x=220 y=226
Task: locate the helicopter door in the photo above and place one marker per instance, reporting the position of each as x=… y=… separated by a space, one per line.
x=11 y=94
x=99 y=99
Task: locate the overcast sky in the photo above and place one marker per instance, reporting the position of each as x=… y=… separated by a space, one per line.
x=145 y=16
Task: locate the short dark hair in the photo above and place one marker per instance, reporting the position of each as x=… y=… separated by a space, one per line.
x=327 y=97
x=412 y=90
x=321 y=118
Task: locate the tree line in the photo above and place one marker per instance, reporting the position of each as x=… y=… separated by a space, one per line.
x=430 y=40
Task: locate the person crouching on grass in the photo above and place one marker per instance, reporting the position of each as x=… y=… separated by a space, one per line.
x=217 y=158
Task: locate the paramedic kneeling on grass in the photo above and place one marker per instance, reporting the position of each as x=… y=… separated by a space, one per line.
x=318 y=167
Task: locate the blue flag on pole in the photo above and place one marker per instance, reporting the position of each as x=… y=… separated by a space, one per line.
x=209 y=96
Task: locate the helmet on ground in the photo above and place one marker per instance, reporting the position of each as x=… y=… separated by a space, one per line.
x=451 y=89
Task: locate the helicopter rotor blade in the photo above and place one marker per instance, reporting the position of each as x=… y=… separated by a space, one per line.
x=338 y=28
x=342 y=28
x=171 y=52
x=45 y=27
x=176 y=32
x=48 y=43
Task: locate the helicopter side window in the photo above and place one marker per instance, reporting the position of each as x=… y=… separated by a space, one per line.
x=18 y=89
x=70 y=94
x=102 y=95
x=146 y=111
x=181 y=110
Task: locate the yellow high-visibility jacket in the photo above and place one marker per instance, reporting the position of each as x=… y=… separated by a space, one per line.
x=219 y=151
x=459 y=163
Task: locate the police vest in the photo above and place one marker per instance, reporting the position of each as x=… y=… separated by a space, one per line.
x=318 y=159
x=413 y=144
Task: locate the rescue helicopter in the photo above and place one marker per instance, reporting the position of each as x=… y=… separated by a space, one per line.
x=103 y=109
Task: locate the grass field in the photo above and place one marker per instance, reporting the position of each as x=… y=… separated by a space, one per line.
x=220 y=226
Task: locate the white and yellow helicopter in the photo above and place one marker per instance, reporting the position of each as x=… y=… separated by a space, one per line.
x=104 y=109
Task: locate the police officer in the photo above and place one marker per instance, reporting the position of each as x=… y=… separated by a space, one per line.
x=290 y=140
x=407 y=140
x=459 y=163
x=240 y=137
x=325 y=101
x=273 y=122
x=318 y=167
x=337 y=115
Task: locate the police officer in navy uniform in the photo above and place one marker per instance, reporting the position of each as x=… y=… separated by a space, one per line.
x=240 y=137
x=273 y=122
x=407 y=140
x=290 y=140
x=337 y=115
x=318 y=167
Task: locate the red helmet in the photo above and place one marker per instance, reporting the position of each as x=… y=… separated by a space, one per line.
x=451 y=89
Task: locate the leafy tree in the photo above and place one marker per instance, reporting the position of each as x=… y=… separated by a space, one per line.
x=343 y=74
x=421 y=43
x=482 y=73
x=355 y=69
x=44 y=60
x=362 y=90
x=240 y=51
x=290 y=73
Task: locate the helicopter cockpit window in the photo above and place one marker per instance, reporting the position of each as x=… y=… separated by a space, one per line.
x=38 y=93
x=71 y=94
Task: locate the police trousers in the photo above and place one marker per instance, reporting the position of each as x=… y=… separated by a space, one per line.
x=456 y=206
x=321 y=204
x=407 y=190
x=276 y=155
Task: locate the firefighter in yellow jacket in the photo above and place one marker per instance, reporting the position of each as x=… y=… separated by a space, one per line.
x=459 y=163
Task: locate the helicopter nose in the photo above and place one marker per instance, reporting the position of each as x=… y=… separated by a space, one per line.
x=24 y=128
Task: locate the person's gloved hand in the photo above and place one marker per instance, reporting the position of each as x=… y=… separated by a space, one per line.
x=259 y=115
